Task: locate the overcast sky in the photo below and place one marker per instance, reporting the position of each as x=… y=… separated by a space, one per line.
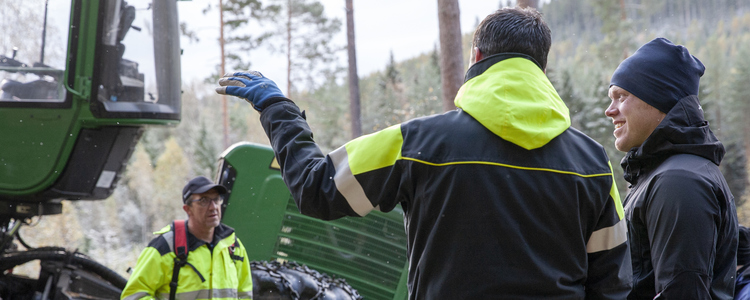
x=406 y=27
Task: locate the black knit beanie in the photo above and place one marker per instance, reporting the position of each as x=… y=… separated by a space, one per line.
x=660 y=73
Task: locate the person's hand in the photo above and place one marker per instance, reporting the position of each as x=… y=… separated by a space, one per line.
x=251 y=86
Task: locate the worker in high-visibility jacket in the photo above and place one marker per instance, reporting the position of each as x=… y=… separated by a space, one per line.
x=502 y=198
x=217 y=266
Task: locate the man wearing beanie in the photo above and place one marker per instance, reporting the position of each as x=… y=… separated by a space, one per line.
x=216 y=265
x=682 y=223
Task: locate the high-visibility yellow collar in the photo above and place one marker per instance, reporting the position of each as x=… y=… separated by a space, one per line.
x=512 y=97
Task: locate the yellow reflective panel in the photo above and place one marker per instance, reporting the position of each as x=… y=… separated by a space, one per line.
x=376 y=150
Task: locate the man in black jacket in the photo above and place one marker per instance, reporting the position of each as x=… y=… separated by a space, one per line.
x=502 y=199
x=682 y=223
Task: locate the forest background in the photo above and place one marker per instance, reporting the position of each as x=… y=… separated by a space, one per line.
x=590 y=38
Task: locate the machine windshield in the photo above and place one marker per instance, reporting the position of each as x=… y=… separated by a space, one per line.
x=139 y=67
x=32 y=50
x=136 y=72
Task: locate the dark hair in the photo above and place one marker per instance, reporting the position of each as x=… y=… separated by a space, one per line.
x=519 y=30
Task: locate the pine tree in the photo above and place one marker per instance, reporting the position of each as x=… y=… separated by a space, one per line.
x=736 y=162
x=451 y=58
x=355 y=110
x=244 y=31
x=304 y=34
x=206 y=151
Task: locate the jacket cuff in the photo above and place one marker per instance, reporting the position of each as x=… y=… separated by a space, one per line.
x=274 y=100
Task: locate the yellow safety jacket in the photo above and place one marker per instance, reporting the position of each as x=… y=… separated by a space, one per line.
x=226 y=269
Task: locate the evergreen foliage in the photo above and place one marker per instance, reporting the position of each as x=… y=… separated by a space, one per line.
x=304 y=33
x=590 y=38
x=242 y=19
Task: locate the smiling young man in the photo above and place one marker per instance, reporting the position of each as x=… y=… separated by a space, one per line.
x=682 y=223
x=216 y=262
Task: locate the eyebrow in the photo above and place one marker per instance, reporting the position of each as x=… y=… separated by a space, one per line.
x=615 y=92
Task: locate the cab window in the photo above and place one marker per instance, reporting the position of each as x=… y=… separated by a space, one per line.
x=32 y=50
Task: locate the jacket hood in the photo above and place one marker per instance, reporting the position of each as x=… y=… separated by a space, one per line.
x=510 y=95
x=683 y=131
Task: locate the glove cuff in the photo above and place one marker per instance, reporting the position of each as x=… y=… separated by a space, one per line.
x=270 y=101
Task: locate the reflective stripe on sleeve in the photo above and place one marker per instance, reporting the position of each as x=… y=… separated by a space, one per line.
x=224 y=293
x=136 y=296
x=208 y=294
x=363 y=154
x=245 y=295
x=608 y=237
x=200 y=294
x=347 y=185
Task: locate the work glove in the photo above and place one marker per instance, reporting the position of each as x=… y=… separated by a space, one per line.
x=251 y=86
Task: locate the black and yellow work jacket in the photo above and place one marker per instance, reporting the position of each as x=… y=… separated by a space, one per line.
x=502 y=198
x=224 y=269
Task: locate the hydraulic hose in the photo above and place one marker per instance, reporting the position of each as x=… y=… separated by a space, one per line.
x=12 y=259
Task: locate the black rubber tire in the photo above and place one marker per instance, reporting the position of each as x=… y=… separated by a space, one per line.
x=290 y=281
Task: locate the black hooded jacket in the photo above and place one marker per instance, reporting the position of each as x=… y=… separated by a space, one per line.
x=682 y=223
x=502 y=199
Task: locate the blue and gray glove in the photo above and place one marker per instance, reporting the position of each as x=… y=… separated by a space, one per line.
x=251 y=86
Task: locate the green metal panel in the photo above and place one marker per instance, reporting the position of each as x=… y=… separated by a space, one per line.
x=32 y=143
x=38 y=137
x=369 y=252
x=253 y=207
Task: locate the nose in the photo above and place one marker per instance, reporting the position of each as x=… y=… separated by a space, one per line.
x=611 y=110
x=212 y=204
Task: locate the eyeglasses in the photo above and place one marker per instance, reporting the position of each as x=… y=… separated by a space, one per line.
x=203 y=201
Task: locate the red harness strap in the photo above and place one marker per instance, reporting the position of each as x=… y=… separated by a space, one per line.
x=180 y=239
x=181 y=255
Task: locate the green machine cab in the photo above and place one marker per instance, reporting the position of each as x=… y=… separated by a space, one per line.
x=76 y=90
x=368 y=252
x=69 y=124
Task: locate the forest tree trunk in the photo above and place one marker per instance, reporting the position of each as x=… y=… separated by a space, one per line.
x=451 y=53
x=528 y=3
x=354 y=105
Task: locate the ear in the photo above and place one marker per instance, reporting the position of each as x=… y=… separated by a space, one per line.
x=186 y=208
x=476 y=55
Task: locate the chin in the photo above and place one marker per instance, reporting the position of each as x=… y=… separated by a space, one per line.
x=622 y=145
